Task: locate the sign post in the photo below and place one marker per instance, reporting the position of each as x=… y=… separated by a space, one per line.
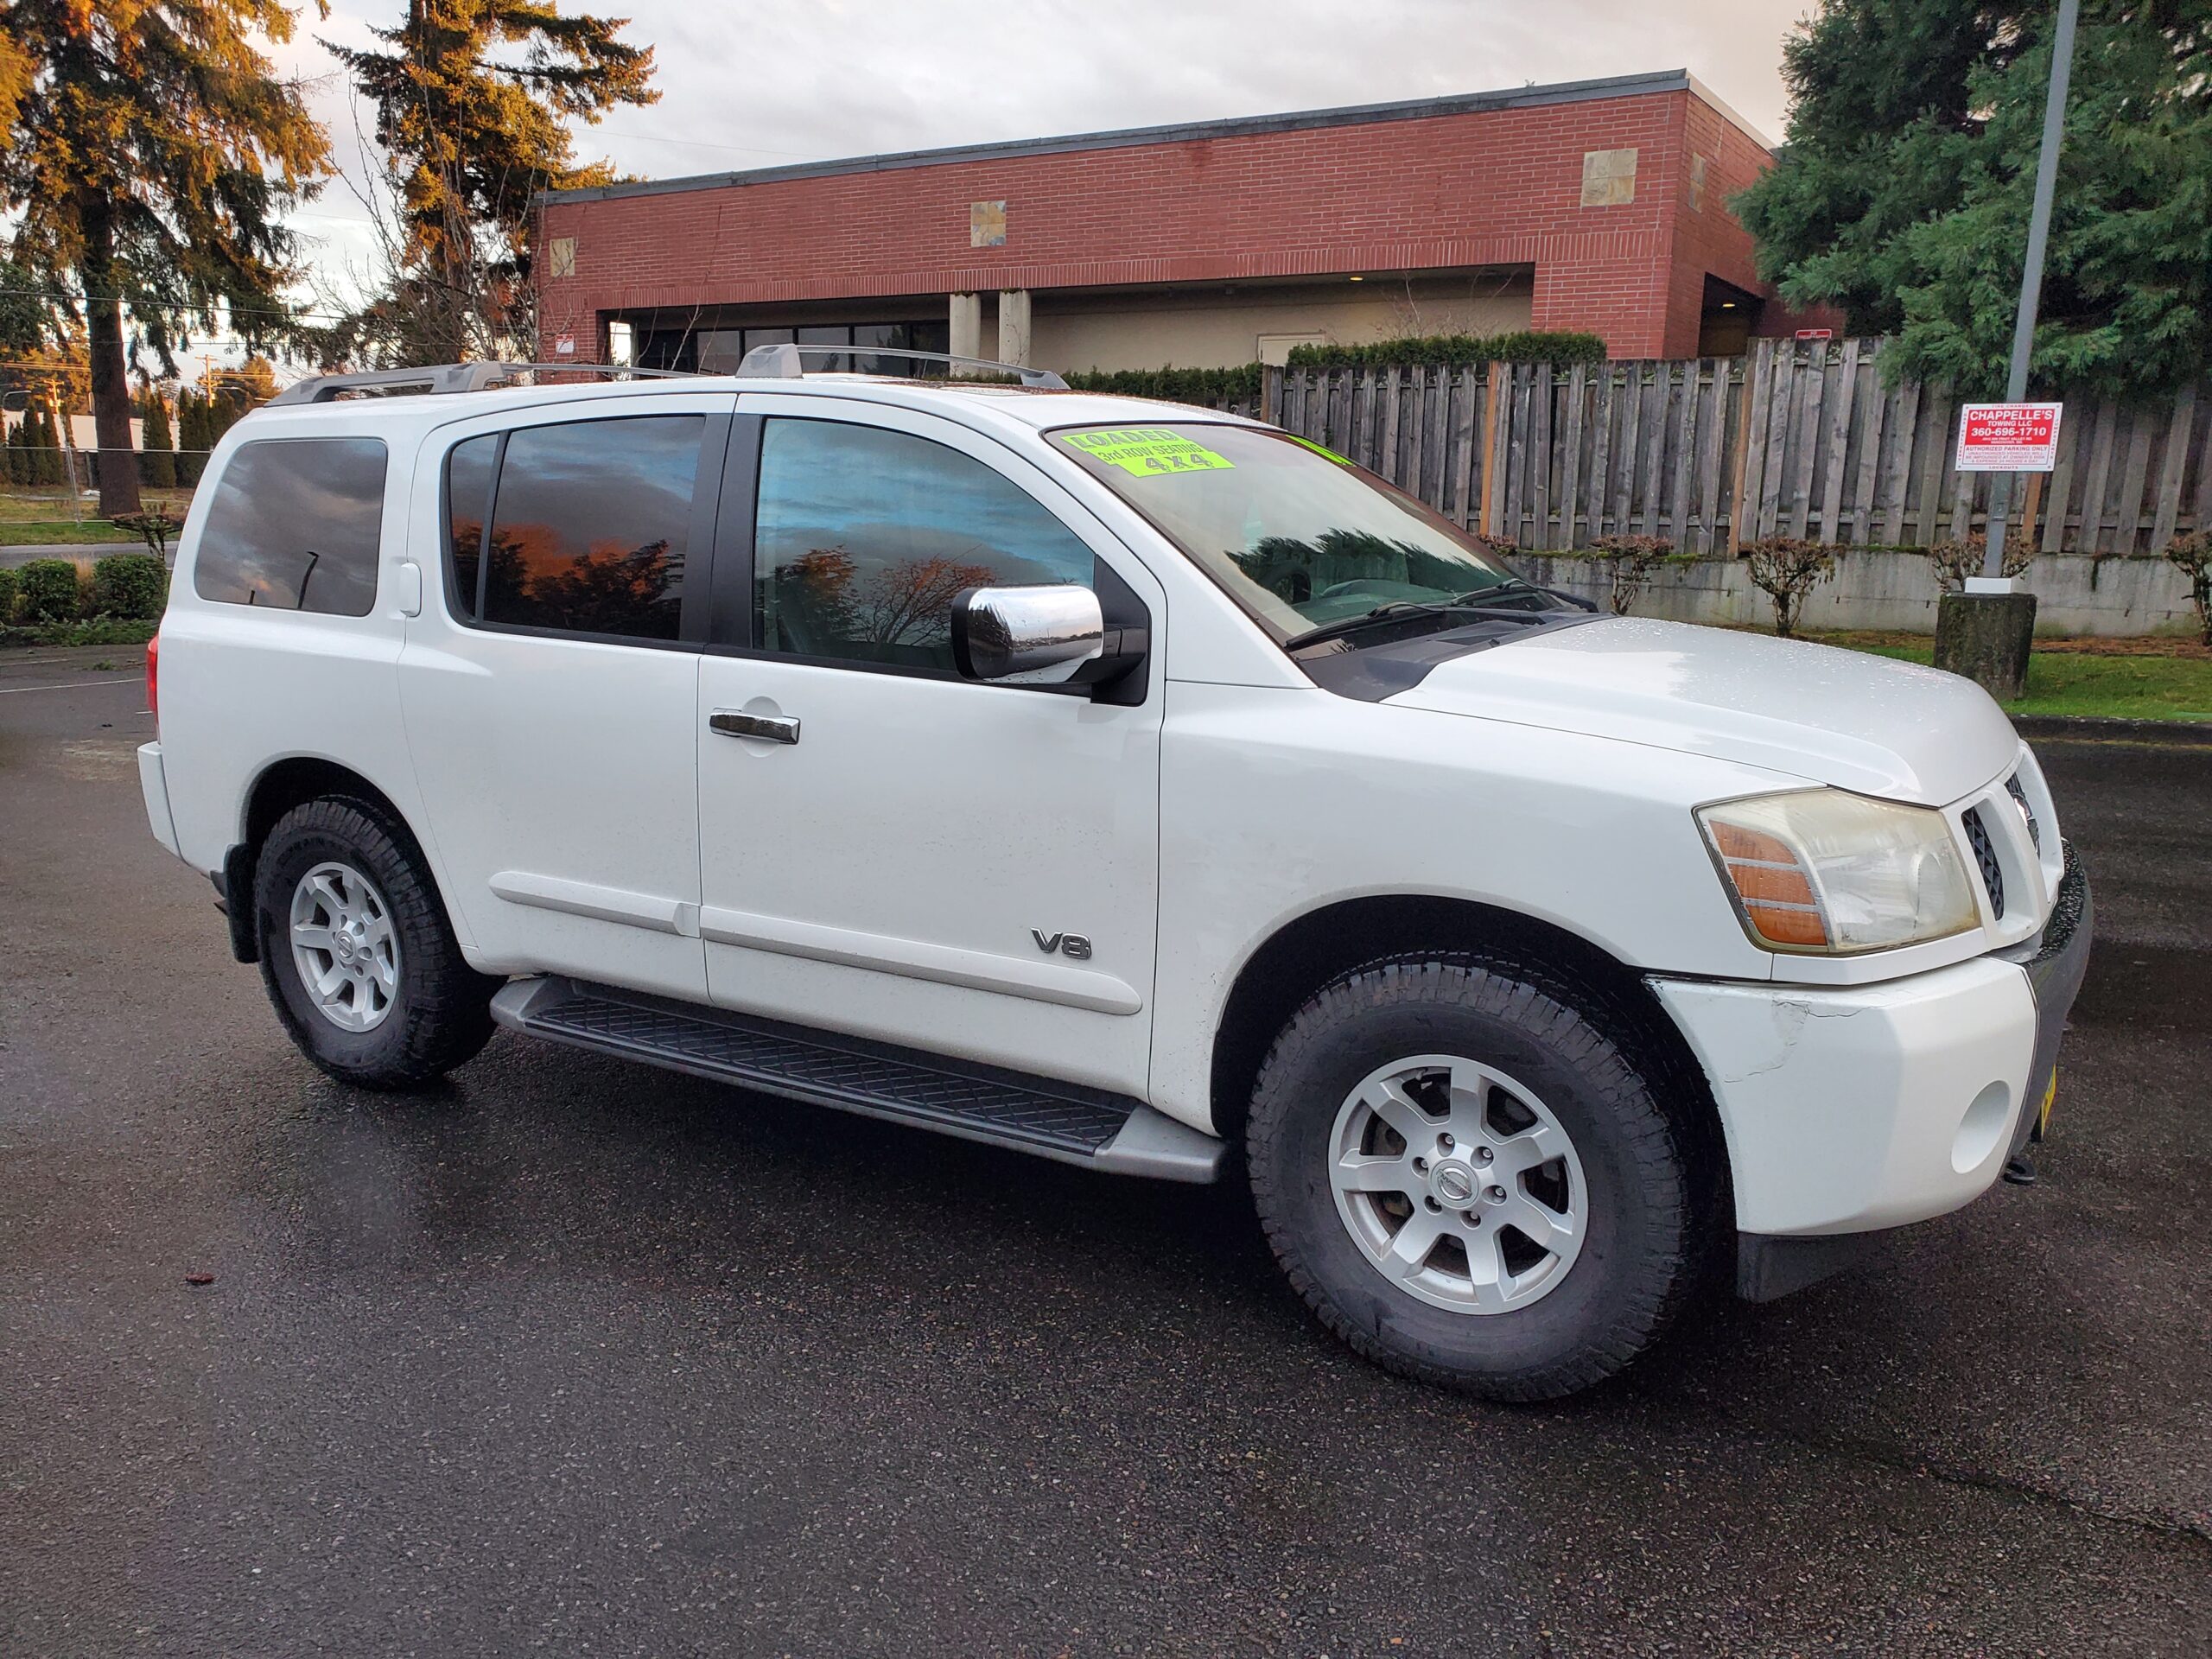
x=1986 y=633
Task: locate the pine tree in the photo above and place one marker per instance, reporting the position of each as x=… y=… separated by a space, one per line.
x=157 y=448
x=11 y=453
x=1904 y=192
x=152 y=156
x=191 y=437
x=473 y=99
x=46 y=449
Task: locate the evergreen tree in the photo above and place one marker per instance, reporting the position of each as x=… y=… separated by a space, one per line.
x=473 y=100
x=46 y=449
x=1904 y=193
x=11 y=454
x=157 y=457
x=191 y=437
x=152 y=155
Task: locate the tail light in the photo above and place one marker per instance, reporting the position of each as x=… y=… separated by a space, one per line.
x=154 y=681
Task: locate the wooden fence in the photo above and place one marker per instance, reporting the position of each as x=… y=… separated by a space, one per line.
x=1798 y=439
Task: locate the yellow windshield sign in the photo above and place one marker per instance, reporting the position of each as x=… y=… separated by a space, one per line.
x=1147 y=451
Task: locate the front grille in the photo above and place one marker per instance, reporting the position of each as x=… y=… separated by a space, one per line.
x=2027 y=813
x=1984 y=854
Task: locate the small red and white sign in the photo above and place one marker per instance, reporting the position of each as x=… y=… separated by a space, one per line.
x=564 y=345
x=1817 y=333
x=2008 y=437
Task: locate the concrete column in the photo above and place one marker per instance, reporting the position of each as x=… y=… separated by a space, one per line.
x=967 y=325
x=1013 y=326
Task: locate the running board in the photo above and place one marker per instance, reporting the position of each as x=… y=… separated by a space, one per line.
x=1062 y=1120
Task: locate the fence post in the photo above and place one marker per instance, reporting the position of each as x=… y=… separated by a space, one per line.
x=1493 y=448
x=1271 y=395
x=1755 y=381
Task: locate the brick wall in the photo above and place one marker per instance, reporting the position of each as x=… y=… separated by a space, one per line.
x=1499 y=186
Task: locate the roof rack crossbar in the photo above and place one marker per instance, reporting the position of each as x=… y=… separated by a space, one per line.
x=441 y=378
x=786 y=362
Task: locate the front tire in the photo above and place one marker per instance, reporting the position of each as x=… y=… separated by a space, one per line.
x=356 y=952
x=1469 y=1181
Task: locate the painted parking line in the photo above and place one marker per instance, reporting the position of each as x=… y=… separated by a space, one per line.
x=120 y=679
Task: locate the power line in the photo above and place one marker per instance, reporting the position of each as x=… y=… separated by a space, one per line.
x=219 y=307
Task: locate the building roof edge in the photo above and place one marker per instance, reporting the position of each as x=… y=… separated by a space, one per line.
x=1573 y=92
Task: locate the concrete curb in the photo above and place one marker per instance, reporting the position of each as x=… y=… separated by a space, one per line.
x=2172 y=734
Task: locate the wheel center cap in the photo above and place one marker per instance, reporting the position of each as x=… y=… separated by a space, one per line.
x=1453 y=1183
x=344 y=947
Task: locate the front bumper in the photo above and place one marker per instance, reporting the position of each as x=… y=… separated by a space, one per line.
x=1849 y=1110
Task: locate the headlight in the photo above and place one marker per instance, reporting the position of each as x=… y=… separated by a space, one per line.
x=1823 y=871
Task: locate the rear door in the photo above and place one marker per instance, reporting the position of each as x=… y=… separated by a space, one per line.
x=549 y=682
x=964 y=868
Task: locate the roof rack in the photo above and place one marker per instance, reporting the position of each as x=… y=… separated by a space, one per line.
x=785 y=363
x=440 y=377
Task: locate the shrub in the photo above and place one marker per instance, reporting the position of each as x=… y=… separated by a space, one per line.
x=2192 y=555
x=1786 y=569
x=1955 y=560
x=135 y=585
x=154 y=525
x=49 y=592
x=1453 y=351
x=1633 y=559
x=10 y=582
x=1208 y=387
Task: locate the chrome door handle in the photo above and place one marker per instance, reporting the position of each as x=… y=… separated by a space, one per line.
x=736 y=723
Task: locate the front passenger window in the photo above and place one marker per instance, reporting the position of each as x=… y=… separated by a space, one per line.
x=864 y=536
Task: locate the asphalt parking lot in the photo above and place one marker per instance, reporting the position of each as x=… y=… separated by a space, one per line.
x=579 y=1358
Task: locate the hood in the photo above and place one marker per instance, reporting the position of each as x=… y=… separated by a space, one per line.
x=1829 y=716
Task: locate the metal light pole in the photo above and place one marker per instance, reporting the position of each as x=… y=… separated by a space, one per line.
x=2023 y=325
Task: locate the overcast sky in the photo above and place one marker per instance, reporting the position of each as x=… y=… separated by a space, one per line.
x=768 y=81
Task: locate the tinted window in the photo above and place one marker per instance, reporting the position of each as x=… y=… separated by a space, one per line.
x=468 y=493
x=590 y=526
x=294 y=523
x=865 y=536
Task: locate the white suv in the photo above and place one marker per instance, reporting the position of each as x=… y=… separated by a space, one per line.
x=1130 y=784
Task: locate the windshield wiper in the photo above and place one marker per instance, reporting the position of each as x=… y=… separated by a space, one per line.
x=1399 y=609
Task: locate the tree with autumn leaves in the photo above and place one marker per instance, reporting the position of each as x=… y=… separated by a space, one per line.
x=473 y=100
x=151 y=153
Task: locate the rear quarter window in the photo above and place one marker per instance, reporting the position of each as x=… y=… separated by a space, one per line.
x=294 y=523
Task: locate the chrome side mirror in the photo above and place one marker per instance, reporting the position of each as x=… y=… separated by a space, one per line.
x=1026 y=636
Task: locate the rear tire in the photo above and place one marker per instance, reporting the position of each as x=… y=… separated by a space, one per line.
x=356 y=952
x=1469 y=1182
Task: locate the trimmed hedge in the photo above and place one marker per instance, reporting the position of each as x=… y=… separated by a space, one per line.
x=1453 y=351
x=10 y=582
x=1174 y=385
x=134 y=586
x=1213 y=388
x=49 y=593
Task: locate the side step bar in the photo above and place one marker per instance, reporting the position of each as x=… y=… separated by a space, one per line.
x=1062 y=1120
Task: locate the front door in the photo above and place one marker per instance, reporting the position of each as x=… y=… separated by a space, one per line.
x=548 y=684
x=886 y=848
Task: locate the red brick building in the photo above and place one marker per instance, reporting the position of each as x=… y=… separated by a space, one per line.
x=1600 y=205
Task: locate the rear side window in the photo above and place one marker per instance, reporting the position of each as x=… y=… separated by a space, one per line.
x=294 y=523
x=588 y=528
x=468 y=508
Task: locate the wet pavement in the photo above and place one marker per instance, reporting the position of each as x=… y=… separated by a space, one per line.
x=575 y=1357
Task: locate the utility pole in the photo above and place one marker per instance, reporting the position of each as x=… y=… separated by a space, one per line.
x=2024 y=324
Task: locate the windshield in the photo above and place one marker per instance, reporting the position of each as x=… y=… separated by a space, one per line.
x=1302 y=539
